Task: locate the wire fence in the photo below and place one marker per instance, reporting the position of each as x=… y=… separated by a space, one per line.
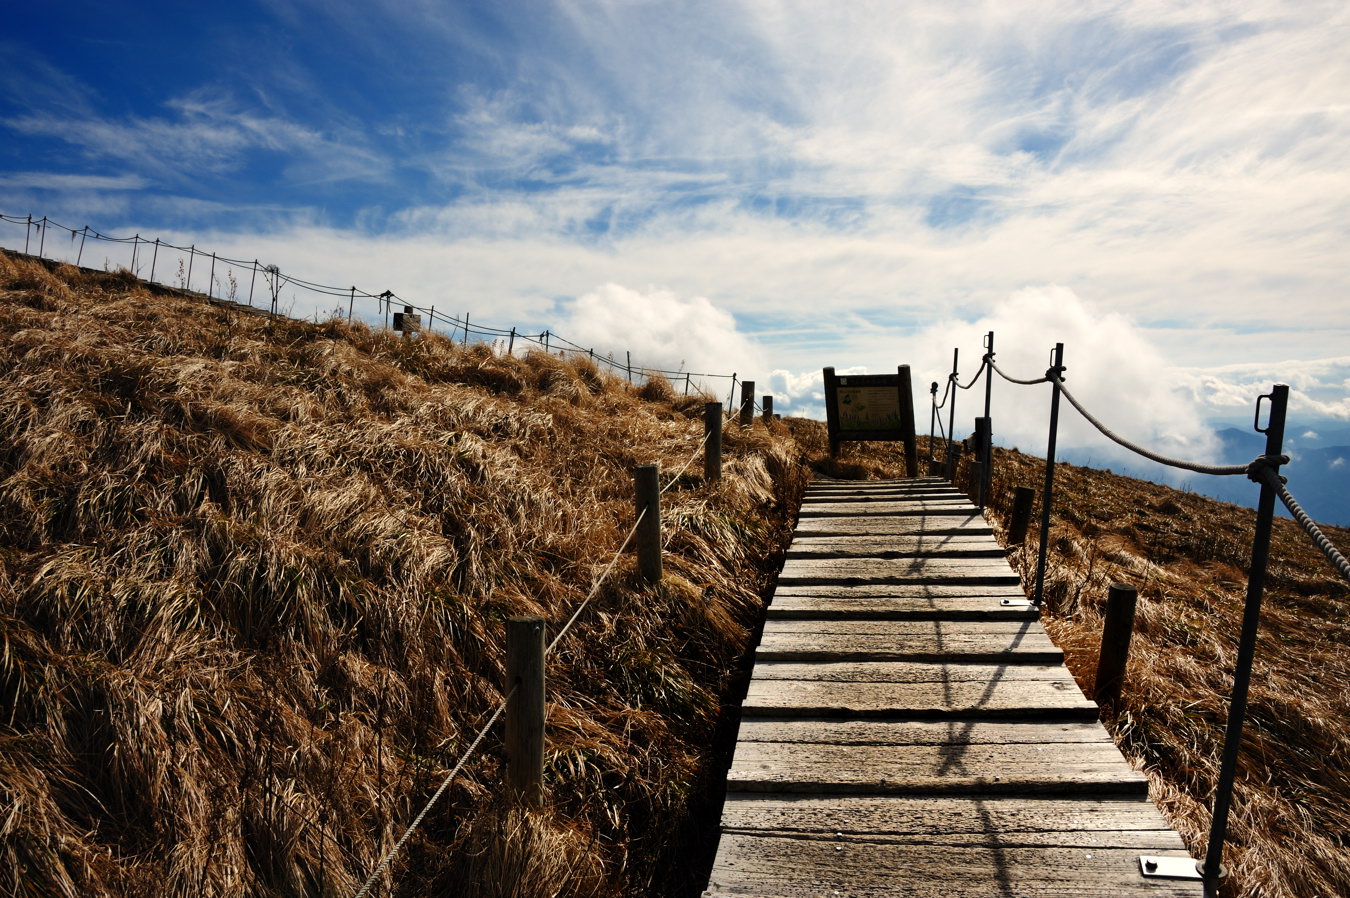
x=501 y=707
x=266 y=284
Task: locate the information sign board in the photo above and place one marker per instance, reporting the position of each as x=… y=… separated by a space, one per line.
x=872 y=407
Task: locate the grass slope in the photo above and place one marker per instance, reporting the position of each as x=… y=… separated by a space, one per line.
x=254 y=575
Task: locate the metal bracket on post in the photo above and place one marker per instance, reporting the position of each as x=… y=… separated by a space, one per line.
x=1155 y=867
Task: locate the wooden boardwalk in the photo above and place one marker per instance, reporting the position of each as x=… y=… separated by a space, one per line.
x=906 y=733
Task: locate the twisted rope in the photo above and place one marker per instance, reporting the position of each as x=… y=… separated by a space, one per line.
x=1219 y=470
x=1014 y=380
x=976 y=378
x=1265 y=473
x=945 y=394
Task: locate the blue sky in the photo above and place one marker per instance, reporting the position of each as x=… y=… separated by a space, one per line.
x=765 y=187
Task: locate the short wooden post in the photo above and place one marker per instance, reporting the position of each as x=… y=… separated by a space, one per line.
x=648 y=493
x=747 y=402
x=1115 y=651
x=768 y=408
x=982 y=457
x=1023 y=498
x=712 y=447
x=525 y=710
x=907 y=422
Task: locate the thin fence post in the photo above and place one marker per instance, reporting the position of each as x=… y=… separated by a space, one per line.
x=251 y=281
x=154 y=259
x=27 y=234
x=1117 y=629
x=987 y=472
x=951 y=418
x=1251 y=618
x=431 y=320
x=932 y=424
x=686 y=383
x=511 y=346
x=747 y=403
x=648 y=505
x=42 y=239
x=84 y=232
x=731 y=396
x=629 y=367
x=192 y=254
x=135 y=246
x=1048 y=496
x=466 y=328
x=211 y=278
x=1023 y=498
x=525 y=710
x=351 y=305
x=712 y=447
x=768 y=408
x=545 y=341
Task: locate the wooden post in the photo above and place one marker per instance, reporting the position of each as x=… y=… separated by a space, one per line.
x=1023 y=498
x=907 y=422
x=712 y=449
x=768 y=408
x=982 y=453
x=1115 y=651
x=525 y=710
x=747 y=403
x=511 y=347
x=831 y=383
x=648 y=492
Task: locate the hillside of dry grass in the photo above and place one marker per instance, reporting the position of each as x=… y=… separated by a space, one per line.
x=254 y=575
x=1188 y=555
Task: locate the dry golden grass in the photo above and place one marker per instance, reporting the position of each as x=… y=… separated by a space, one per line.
x=253 y=580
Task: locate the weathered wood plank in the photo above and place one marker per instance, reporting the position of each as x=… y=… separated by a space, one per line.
x=1085 y=822
x=1047 y=768
x=919 y=732
x=897 y=545
x=897 y=570
x=789 y=645
x=960 y=508
x=846 y=672
x=864 y=525
x=956 y=608
x=778 y=867
x=995 y=700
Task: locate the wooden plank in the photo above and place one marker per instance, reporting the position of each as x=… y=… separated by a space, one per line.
x=897 y=545
x=999 y=699
x=880 y=508
x=896 y=570
x=794 y=867
x=810 y=607
x=964 y=522
x=1085 y=822
x=918 y=732
x=1049 y=768
x=809 y=640
x=843 y=674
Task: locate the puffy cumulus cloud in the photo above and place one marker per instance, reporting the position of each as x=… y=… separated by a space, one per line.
x=1318 y=388
x=1111 y=367
x=662 y=330
x=801 y=394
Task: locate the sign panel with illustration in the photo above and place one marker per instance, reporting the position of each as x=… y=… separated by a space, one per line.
x=871 y=407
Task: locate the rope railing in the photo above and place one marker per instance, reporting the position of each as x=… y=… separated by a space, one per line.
x=1264 y=470
x=974 y=380
x=386 y=300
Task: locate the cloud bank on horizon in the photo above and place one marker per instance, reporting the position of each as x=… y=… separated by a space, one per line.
x=760 y=186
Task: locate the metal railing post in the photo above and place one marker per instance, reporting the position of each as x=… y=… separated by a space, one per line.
x=951 y=420
x=1047 y=498
x=932 y=424
x=1251 y=616
x=987 y=471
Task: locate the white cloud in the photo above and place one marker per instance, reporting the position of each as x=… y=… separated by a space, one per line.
x=661 y=329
